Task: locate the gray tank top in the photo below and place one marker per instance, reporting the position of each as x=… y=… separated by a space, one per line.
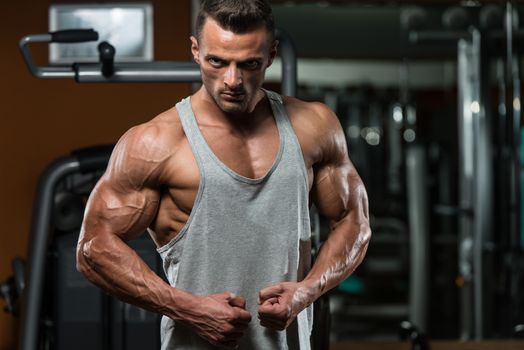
x=243 y=235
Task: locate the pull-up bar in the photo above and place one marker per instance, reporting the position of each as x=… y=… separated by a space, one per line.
x=140 y=72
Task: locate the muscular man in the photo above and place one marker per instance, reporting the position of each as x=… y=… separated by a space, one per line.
x=223 y=183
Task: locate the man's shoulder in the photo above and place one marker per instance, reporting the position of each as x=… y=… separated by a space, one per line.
x=165 y=124
x=164 y=130
x=146 y=147
x=314 y=115
x=317 y=127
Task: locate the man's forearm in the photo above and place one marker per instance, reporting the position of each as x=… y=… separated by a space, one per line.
x=112 y=265
x=339 y=256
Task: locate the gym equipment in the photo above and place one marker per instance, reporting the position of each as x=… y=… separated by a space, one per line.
x=373 y=122
x=476 y=162
x=108 y=71
x=416 y=166
x=83 y=162
x=418 y=339
x=12 y=288
x=66 y=322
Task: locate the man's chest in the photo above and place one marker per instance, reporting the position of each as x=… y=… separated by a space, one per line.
x=251 y=157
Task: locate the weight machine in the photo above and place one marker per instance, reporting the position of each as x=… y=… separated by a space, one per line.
x=490 y=228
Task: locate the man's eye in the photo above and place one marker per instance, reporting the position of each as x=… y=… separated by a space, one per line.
x=215 y=61
x=251 y=64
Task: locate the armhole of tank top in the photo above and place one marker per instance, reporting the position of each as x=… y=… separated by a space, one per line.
x=198 y=197
x=278 y=103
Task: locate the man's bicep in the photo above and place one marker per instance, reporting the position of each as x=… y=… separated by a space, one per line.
x=125 y=200
x=117 y=209
x=338 y=191
x=335 y=188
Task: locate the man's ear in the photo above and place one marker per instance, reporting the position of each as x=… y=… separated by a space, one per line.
x=195 y=50
x=272 y=52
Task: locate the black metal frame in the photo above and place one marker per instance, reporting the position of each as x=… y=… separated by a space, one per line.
x=83 y=161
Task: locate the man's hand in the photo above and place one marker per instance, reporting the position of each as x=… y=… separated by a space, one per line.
x=281 y=303
x=221 y=319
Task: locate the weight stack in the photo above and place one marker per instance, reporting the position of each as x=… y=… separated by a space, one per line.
x=82 y=316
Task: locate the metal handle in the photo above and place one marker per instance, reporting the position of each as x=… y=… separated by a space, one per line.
x=74 y=36
x=42 y=72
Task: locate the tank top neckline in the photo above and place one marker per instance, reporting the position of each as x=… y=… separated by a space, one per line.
x=227 y=169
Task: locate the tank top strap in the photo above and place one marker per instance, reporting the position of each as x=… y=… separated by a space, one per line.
x=281 y=118
x=273 y=96
x=284 y=124
x=191 y=129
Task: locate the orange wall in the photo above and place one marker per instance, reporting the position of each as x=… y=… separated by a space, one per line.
x=41 y=120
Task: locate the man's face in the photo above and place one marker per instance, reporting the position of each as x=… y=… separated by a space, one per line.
x=233 y=65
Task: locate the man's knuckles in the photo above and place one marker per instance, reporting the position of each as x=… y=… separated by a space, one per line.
x=234 y=329
x=241 y=315
x=275 y=312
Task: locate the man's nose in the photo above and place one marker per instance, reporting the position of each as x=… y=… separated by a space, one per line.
x=233 y=76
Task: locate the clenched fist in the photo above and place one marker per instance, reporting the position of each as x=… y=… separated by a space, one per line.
x=221 y=319
x=281 y=303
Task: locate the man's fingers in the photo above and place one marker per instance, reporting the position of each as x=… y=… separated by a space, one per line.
x=237 y=301
x=275 y=315
x=264 y=317
x=270 y=308
x=242 y=316
x=270 y=301
x=270 y=292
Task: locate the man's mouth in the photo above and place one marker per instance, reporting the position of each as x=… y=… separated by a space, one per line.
x=233 y=96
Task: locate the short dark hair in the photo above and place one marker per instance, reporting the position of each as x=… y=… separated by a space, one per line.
x=238 y=16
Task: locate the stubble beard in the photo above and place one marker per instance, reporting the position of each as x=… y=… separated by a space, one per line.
x=230 y=106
